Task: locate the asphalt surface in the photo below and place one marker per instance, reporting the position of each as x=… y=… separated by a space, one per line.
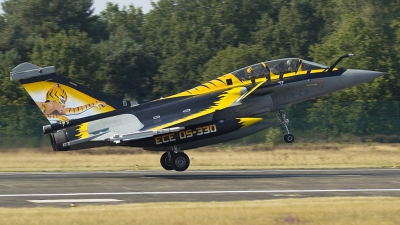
x=93 y=188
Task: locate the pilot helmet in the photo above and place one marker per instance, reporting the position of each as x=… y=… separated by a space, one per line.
x=250 y=70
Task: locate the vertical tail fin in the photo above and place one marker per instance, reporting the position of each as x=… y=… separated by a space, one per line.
x=59 y=98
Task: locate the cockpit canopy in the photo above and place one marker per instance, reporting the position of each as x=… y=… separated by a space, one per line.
x=276 y=67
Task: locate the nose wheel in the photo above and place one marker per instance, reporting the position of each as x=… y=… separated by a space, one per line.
x=289 y=138
x=175 y=160
x=281 y=115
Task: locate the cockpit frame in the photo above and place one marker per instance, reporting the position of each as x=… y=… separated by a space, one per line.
x=276 y=68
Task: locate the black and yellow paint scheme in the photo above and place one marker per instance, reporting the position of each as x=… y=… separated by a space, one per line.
x=196 y=132
x=270 y=71
x=220 y=110
x=239 y=84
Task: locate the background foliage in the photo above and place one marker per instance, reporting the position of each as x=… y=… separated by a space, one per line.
x=181 y=43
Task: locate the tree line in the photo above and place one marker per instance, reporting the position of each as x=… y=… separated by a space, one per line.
x=179 y=44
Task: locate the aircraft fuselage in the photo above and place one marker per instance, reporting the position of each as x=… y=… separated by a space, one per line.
x=217 y=111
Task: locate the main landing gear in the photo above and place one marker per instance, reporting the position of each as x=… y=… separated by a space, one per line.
x=281 y=115
x=175 y=160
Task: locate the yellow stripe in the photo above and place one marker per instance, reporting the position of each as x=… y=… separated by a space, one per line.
x=218 y=86
x=253 y=89
x=248 y=121
x=226 y=99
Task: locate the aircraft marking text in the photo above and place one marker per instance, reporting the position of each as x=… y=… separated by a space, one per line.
x=189 y=133
x=295 y=94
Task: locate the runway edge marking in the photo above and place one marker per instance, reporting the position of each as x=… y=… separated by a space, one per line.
x=200 y=192
x=74 y=200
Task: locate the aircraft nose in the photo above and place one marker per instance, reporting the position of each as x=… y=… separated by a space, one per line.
x=353 y=77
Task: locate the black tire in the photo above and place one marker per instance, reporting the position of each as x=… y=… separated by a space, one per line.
x=180 y=161
x=165 y=163
x=289 y=138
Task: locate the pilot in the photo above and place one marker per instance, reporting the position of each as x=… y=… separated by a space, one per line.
x=250 y=72
x=290 y=64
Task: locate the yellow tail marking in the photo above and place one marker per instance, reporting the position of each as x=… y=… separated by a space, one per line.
x=82 y=131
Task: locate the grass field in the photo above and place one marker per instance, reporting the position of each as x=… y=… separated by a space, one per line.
x=335 y=211
x=210 y=158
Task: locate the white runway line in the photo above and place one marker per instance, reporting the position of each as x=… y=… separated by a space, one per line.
x=195 y=171
x=201 y=192
x=74 y=200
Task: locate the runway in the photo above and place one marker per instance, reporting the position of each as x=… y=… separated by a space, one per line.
x=93 y=188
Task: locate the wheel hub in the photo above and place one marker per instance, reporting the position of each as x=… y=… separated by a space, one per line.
x=180 y=162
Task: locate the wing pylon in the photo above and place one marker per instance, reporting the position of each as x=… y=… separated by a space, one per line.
x=117 y=138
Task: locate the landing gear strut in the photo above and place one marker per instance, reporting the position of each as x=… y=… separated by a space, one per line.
x=175 y=159
x=281 y=115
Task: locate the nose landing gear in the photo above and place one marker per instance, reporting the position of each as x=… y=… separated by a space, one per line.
x=281 y=115
x=289 y=138
x=175 y=159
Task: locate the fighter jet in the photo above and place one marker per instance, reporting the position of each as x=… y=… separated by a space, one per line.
x=220 y=110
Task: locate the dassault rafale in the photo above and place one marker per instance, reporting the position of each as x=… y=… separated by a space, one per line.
x=220 y=110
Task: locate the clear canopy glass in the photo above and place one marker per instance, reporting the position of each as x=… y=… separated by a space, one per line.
x=276 y=67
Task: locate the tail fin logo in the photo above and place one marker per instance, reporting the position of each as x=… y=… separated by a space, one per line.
x=61 y=103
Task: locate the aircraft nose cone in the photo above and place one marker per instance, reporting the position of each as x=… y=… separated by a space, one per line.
x=353 y=77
